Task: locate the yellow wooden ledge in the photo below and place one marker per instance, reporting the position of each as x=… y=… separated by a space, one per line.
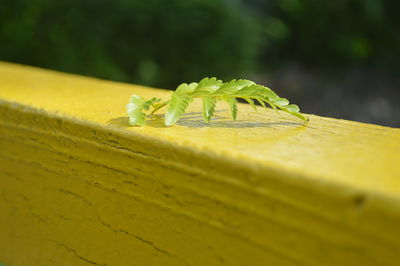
x=80 y=187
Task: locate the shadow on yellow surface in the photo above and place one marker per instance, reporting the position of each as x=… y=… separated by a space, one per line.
x=195 y=120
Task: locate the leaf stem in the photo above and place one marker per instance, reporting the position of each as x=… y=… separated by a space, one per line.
x=158 y=106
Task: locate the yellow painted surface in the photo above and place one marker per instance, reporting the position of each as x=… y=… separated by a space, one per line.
x=80 y=187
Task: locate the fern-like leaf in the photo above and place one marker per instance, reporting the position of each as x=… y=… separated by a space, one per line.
x=134 y=110
x=207 y=86
x=208 y=108
x=234 y=85
x=251 y=102
x=210 y=90
x=185 y=88
x=232 y=105
x=177 y=106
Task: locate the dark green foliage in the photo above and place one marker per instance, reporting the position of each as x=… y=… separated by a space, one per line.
x=153 y=42
x=161 y=43
x=332 y=34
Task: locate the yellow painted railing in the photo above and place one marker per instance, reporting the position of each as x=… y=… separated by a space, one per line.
x=80 y=187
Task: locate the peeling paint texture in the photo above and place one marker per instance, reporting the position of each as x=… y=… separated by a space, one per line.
x=80 y=187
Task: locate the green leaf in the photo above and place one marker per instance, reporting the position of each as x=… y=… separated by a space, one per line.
x=150 y=102
x=211 y=84
x=261 y=102
x=134 y=110
x=250 y=101
x=281 y=102
x=232 y=104
x=272 y=105
x=208 y=108
x=251 y=90
x=207 y=86
x=293 y=110
x=177 y=106
x=268 y=93
x=233 y=86
x=210 y=90
x=185 y=88
x=158 y=105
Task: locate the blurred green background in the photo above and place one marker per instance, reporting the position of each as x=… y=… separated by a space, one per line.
x=334 y=58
